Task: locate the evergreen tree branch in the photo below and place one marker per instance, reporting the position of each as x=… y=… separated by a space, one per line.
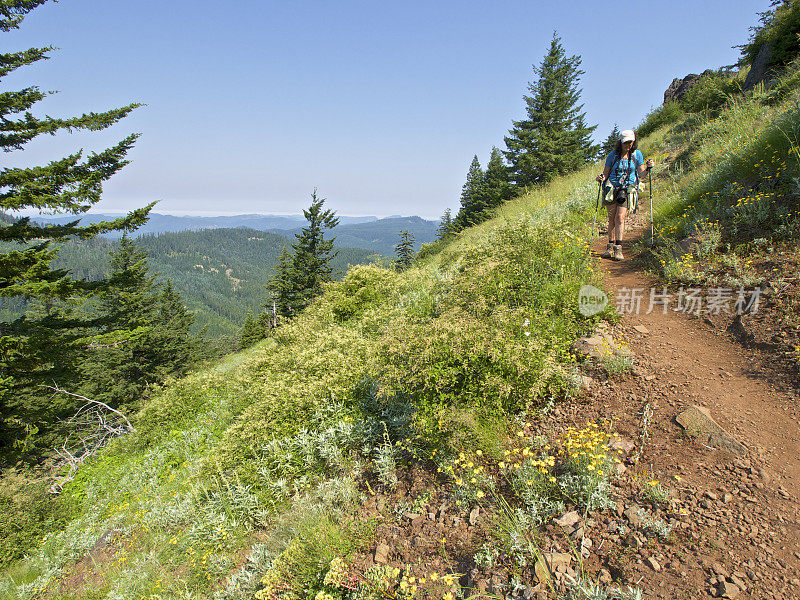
x=10 y=61
x=13 y=11
x=15 y=134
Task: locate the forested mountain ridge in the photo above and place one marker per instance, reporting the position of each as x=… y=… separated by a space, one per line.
x=161 y=223
x=370 y=233
x=219 y=273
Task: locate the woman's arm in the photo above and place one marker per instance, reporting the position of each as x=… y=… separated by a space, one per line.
x=645 y=166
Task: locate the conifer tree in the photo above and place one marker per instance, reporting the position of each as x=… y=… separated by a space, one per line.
x=69 y=185
x=173 y=336
x=130 y=298
x=610 y=142
x=254 y=328
x=404 y=250
x=249 y=335
x=299 y=278
x=313 y=254
x=445 y=227
x=471 y=197
x=143 y=335
x=554 y=140
x=281 y=287
x=496 y=186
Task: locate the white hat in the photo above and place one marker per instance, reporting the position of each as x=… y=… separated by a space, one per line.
x=627 y=136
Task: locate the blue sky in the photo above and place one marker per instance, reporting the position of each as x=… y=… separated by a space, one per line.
x=379 y=105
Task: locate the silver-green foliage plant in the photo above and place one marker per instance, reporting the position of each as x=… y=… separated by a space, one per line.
x=584 y=589
x=589 y=465
x=385 y=462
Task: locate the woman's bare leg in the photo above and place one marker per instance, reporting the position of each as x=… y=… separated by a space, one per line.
x=619 y=220
x=612 y=211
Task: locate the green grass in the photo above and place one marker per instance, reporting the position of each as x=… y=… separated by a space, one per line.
x=733 y=187
x=481 y=329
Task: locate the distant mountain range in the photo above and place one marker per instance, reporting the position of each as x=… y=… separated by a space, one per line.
x=369 y=233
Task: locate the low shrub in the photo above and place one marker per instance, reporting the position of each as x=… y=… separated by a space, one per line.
x=710 y=93
x=664 y=115
x=501 y=339
x=300 y=570
x=363 y=287
x=30 y=512
x=588 y=464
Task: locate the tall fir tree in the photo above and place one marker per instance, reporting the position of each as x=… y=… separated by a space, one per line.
x=472 y=198
x=313 y=254
x=144 y=333
x=281 y=286
x=72 y=185
x=173 y=335
x=249 y=334
x=130 y=298
x=554 y=140
x=297 y=283
x=404 y=250
x=607 y=147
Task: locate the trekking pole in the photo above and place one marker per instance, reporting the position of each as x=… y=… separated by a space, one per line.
x=596 y=207
x=652 y=229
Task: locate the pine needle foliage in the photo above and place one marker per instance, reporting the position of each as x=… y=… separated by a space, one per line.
x=472 y=201
x=497 y=187
x=554 y=140
x=143 y=335
x=610 y=142
x=38 y=347
x=404 y=250
x=445 y=228
x=299 y=279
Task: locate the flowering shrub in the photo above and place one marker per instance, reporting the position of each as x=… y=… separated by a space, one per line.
x=470 y=479
x=588 y=463
x=381 y=582
x=530 y=468
x=655 y=492
x=502 y=334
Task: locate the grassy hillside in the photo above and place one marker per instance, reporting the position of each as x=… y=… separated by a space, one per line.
x=386 y=369
x=243 y=481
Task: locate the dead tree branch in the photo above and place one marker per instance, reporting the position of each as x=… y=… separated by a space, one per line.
x=93 y=426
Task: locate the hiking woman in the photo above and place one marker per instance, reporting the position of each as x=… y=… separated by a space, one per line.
x=620 y=176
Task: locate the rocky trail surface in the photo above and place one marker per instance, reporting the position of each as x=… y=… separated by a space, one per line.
x=737 y=490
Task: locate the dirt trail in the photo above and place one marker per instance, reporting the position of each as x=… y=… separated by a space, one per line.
x=686 y=359
x=711 y=369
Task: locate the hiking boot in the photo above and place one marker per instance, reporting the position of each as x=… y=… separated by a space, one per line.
x=618 y=252
x=609 y=253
